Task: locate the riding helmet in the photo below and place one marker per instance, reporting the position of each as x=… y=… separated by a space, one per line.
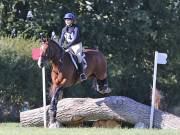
x=70 y=16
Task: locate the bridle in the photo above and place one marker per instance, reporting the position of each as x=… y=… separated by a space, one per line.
x=47 y=51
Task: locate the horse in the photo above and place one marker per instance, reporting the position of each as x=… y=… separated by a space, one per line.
x=64 y=73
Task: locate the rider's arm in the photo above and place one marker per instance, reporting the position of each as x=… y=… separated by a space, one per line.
x=76 y=37
x=61 y=39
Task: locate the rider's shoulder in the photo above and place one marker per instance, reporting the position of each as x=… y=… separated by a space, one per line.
x=76 y=26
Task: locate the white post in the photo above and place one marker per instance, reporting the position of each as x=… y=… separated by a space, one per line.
x=153 y=90
x=44 y=94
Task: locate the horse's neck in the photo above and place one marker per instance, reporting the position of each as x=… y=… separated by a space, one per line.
x=56 y=53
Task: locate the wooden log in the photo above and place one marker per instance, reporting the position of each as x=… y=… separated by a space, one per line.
x=113 y=107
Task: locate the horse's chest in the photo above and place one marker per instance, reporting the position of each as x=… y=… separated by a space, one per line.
x=55 y=73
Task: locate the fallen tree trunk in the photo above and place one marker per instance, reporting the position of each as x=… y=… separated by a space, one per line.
x=114 y=107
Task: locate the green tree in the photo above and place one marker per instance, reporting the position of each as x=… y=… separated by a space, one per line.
x=128 y=32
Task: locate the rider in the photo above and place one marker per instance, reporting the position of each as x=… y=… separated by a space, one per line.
x=71 y=35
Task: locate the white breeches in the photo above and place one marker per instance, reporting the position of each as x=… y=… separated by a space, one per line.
x=77 y=49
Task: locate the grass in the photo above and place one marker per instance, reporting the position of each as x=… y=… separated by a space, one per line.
x=16 y=129
x=20 y=45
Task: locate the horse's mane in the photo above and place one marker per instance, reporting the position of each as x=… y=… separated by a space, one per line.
x=56 y=51
x=51 y=41
x=55 y=42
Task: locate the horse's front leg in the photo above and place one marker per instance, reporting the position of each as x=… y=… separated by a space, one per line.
x=53 y=107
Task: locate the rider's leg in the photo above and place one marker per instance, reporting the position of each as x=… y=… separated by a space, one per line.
x=81 y=71
x=77 y=49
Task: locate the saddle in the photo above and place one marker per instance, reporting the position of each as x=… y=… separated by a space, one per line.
x=74 y=60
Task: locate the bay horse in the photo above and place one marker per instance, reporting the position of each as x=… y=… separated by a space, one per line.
x=64 y=73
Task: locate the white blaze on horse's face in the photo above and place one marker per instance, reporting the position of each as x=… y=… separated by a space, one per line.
x=40 y=58
x=40 y=62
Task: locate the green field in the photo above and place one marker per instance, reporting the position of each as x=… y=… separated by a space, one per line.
x=16 y=129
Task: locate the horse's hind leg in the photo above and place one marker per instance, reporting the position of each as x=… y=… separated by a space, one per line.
x=53 y=107
x=102 y=86
x=100 y=72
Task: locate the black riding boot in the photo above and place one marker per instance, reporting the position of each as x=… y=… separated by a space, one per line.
x=81 y=71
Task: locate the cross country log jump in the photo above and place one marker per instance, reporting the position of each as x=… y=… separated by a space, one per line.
x=119 y=108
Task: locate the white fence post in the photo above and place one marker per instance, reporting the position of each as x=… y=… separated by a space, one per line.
x=153 y=90
x=44 y=94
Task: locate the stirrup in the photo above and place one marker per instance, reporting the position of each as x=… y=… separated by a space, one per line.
x=83 y=77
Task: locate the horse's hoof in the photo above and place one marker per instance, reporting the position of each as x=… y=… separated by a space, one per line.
x=54 y=125
x=106 y=91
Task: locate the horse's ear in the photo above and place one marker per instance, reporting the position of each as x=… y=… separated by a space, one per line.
x=43 y=38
